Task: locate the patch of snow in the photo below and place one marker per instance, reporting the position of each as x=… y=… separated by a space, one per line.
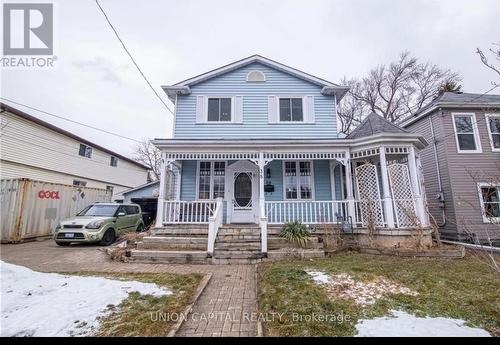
x=344 y=286
x=319 y=277
x=402 y=324
x=50 y=304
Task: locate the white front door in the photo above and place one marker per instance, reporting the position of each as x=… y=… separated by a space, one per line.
x=242 y=181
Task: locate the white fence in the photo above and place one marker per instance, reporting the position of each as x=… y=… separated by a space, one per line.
x=190 y=212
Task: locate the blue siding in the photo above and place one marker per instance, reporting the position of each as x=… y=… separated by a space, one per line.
x=276 y=180
x=338 y=182
x=255 y=114
x=322 y=184
x=188 y=180
x=146 y=192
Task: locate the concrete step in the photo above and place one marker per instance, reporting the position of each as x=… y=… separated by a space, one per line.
x=237 y=245
x=227 y=238
x=173 y=257
x=168 y=242
x=237 y=255
x=181 y=232
x=232 y=261
x=238 y=231
x=278 y=243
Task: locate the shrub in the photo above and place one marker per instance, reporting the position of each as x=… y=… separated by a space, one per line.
x=296 y=232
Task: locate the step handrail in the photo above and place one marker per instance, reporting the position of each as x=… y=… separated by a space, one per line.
x=214 y=223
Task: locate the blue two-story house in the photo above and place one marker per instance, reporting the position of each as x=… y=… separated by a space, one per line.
x=256 y=142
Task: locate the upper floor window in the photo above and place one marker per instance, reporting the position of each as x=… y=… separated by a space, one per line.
x=85 y=151
x=256 y=76
x=489 y=195
x=298 y=180
x=79 y=183
x=291 y=110
x=466 y=133
x=219 y=109
x=493 y=121
x=211 y=178
x=113 y=161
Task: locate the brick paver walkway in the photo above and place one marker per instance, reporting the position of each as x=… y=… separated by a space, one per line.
x=226 y=307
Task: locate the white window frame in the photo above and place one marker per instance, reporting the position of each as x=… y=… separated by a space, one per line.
x=110 y=161
x=211 y=178
x=481 y=201
x=490 y=133
x=303 y=110
x=475 y=129
x=219 y=97
x=313 y=186
x=86 y=148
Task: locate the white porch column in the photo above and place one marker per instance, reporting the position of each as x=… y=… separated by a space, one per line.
x=262 y=205
x=351 y=208
x=388 y=206
x=162 y=192
x=416 y=188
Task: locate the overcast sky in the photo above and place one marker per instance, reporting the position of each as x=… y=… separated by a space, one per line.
x=94 y=81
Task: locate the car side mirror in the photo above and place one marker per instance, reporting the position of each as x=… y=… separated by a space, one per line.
x=121 y=214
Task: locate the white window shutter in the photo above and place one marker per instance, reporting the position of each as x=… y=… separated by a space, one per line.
x=201 y=110
x=308 y=106
x=272 y=109
x=238 y=109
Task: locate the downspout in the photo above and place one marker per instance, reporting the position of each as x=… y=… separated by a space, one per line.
x=440 y=195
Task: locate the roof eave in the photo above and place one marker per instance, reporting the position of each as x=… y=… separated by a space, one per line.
x=337 y=91
x=173 y=91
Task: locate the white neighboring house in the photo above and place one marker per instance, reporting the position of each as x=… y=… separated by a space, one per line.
x=34 y=149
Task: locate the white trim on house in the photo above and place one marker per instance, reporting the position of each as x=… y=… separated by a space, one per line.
x=475 y=129
x=313 y=187
x=204 y=111
x=481 y=201
x=490 y=133
x=263 y=75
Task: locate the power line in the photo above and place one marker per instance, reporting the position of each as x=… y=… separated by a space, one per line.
x=131 y=58
x=69 y=120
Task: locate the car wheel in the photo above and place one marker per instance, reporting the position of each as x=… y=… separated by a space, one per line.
x=63 y=244
x=140 y=228
x=108 y=238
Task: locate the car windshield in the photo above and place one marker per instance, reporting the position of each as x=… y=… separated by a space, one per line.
x=99 y=210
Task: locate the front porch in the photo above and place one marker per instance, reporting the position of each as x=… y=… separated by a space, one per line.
x=357 y=185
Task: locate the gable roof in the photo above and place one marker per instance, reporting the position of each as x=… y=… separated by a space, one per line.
x=142 y=186
x=183 y=87
x=454 y=99
x=59 y=130
x=374 y=124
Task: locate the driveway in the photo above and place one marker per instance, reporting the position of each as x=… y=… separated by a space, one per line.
x=223 y=309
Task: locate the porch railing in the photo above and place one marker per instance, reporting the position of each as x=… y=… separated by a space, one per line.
x=192 y=212
x=308 y=212
x=214 y=223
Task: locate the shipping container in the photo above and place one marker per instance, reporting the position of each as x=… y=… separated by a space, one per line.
x=32 y=209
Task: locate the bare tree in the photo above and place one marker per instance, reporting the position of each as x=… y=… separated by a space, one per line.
x=394 y=91
x=149 y=155
x=494 y=66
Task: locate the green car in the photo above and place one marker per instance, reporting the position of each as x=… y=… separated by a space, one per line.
x=99 y=223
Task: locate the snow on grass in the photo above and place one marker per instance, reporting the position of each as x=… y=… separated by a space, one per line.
x=363 y=293
x=50 y=304
x=402 y=324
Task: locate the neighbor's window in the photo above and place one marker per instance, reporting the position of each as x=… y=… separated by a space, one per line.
x=219 y=110
x=291 y=110
x=466 y=132
x=114 y=161
x=494 y=130
x=79 y=183
x=85 y=151
x=211 y=180
x=490 y=202
x=298 y=180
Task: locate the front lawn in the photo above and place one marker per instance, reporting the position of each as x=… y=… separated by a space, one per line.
x=145 y=315
x=460 y=289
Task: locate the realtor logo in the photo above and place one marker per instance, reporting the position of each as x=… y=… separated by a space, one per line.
x=28 y=29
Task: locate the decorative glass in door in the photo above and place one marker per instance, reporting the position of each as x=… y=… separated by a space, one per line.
x=243 y=190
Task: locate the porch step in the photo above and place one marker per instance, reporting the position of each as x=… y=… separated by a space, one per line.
x=234 y=254
x=238 y=231
x=236 y=237
x=173 y=242
x=237 y=245
x=183 y=231
x=233 y=261
x=168 y=257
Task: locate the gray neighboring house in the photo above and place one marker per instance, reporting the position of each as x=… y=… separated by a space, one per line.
x=462 y=164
